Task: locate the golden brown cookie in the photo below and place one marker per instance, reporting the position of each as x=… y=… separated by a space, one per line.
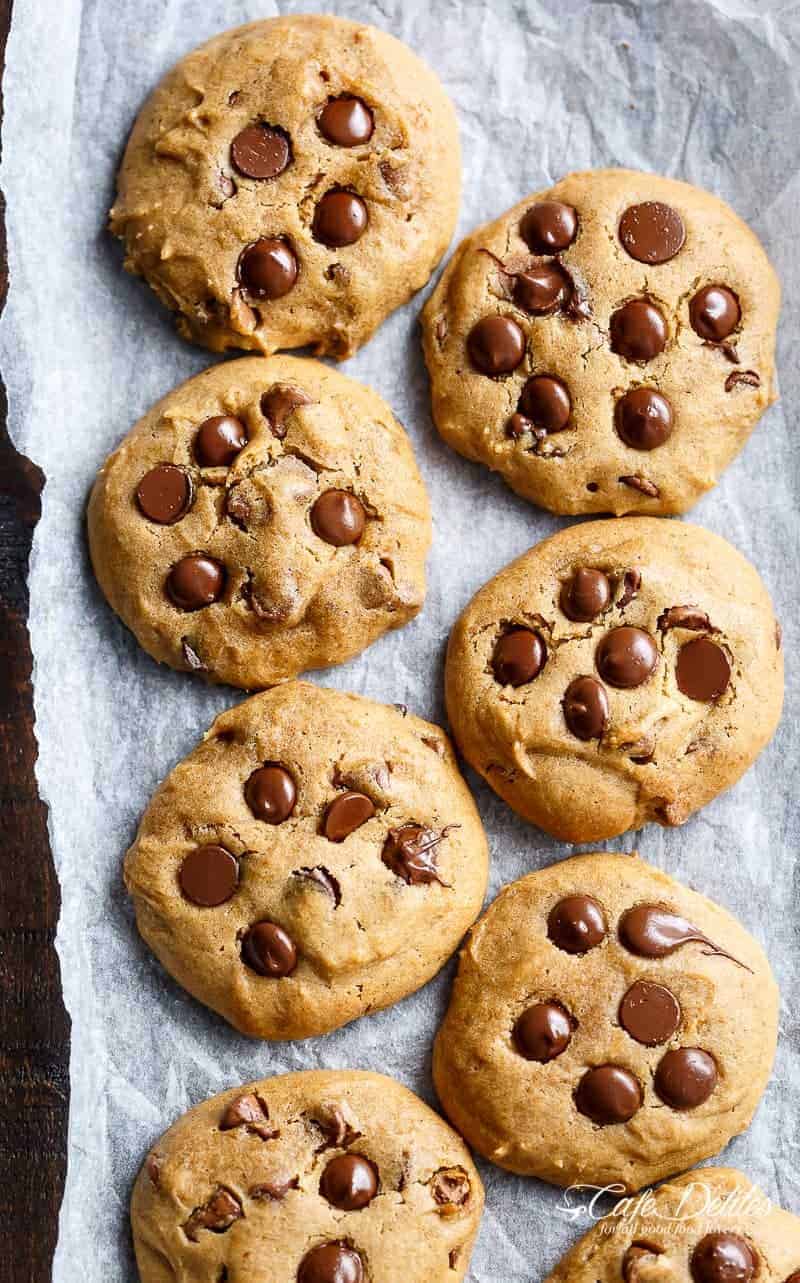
x=607 y=1025
x=607 y=345
x=265 y=517
x=317 y=857
x=328 y=1176
x=290 y=182
x=619 y=672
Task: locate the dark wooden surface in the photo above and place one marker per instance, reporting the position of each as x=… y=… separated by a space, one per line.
x=34 y=1029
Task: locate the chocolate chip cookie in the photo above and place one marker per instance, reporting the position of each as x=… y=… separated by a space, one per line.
x=607 y=345
x=264 y=518
x=317 y=857
x=607 y=1025
x=328 y=1176
x=710 y=1226
x=290 y=182
x=619 y=672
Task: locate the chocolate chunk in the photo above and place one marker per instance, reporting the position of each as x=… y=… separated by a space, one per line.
x=642 y=485
x=195 y=581
x=742 y=378
x=209 y=875
x=723 y=1258
x=549 y=227
x=217 y=1215
x=278 y=403
x=250 y=1112
x=346 y=121
x=649 y=1013
x=338 y=1130
x=638 y=330
x=586 y=595
x=626 y=657
x=519 y=656
x=545 y=400
x=586 y=709
x=411 y=853
x=339 y=518
x=165 y=494
x=685 y=1078
x=609 y=1094
x=346 y=814
x=274 y=1189
x=651 y=232
x=261 y=151
x=689 y=617
x=268 y=268
x=331 y=1263
x=271 y=793
x=703 y=670
x=267 y=949
x=639 y=1253
x=324 y=879
x=543 y=1031
x=518 y=425
x=450 y=1189
x=542 y=289
x=643 y=418
x=349 y=1181
x=653 y=931
x=219 y=440
x=631 y=583
x=496 y=345
x=577 y=924
x=714 y=312
x=340 y=219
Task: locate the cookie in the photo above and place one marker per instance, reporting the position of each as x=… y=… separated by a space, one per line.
x=264 y=518
x=711 y=1226
x=318 y=856
x=607 y=345
x=617 y=673
x=607 y=1025
x=327 y=1176
x=290 y=182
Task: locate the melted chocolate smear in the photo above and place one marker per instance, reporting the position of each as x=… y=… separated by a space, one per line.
x=652 y=931
x=320 y=876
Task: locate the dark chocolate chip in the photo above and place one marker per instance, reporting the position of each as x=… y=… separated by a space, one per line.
x=703 y=670
x=518 y=425
x=714 y=312
x=649 y=1013
x=626 y=657
x=164 y=494
x=543 y=1031
x=279 y=403
x=496 y=345
x=209 y=875
x=586 y=595
x=268 y=268
x=346 y=121
x=340 y=219
x=631 y=583
x=545 y=400
x=269 y=950
x=331 y=1263
x=542 y=289
x=653 y=931
x=586 y=709
x=261 y=151
x=321 y=877
x=577 y=924
x=689 y=617
x=652 y=232
x=686 y=1077
x=609 y=1094
x=643 y=418
x=519 y=656
x=275 y=1189
x=346 y=814
x=349 y=1182
x=219 y=440
x=338 y=517
x=195 y=581
x=638 y=330
x=723 y=1258
x=250 y=1112
x=411 y=852
x=217 y=1215
x=450 y=1188
x=271 y=793
x=549 y=227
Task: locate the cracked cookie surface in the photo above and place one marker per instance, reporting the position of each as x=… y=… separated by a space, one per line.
x=619 y=672
x=290 y=182
x=607 y=345
x=264 y=518
x=607 y=1025
x=317 y=857
x=710 y=1226
x=326 y=1176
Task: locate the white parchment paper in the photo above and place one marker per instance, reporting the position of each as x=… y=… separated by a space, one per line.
x=706 y=91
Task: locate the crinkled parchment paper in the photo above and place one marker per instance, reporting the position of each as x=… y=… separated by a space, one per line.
x=704 y=91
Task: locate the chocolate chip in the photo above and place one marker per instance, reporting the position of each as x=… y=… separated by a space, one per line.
x=577 y=924
x=549 y=226
x=543 y=1031
x=545 y=400
x=331 y=1263
x=267 y=949
x=585 y=595
x=631 y=583
x=279 y=403
x=340 y=219
x=209 y=875
x=346 y=121
x=643 y=418
x=261 y=151
x=338 y=1130
x=274 y=1189
x=639 y=1253
x=542 y=289
x=450 y=1189
x=164 y=494
x=195 y=581
x=219 y=440
x=586 y=709
x=638 y=330
x=651 y=232
x=324 y=879
x=518 y=425
x=349 y=1182
x=649 y=1013
x=346 y=814
x=217 y=1215
x=338 y=517
x=411 y=853
x=609 y=1094
x=626 y=657
x=689 y=617
x=714 y=312
x=742 y=378
x=723 y=1258
x=685 y=1078
x=268 y=268
x=271 y=793
x=703 y=670
x=519 y=656
x=496 y=345
x=652 y=931
x=250 y=1112
x=642 y=485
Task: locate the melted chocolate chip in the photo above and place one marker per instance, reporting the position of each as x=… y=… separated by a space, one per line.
x=649 y=1013
x=714 y=313
x=723 y=1258
x=340 y=219
x=685 y=1078
x=585 y=595
x=609 y=1094
x=545 y=400
x=519 y=656
x=450 y=1188
x=703 y=670
x=653 y=931
x=209 y=875
x=346 y=814
x=268 y=268
x=219 y=440
x=164 y=494
x=274 y=1189
x=279 y=403
x=331 y=1263
x=518 y=425
x=689 y=617
x=269 y=950
x=250 y=1112
x=643 y=418
x=542 y=290
x=349 y=1182
x=217 y=1215
x=411 y=853
x=271 y=793
x=261 y=151
x=631 y=583
x=586 y=709
x=496 y=345
x=651 y=232
x=339 y=518
x=346 y=121
x=195 y=581
x=549 y=227
x=577 y=924
x=638 y=330
x=321 y=877
x=626 y=657
x=543 y=1032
